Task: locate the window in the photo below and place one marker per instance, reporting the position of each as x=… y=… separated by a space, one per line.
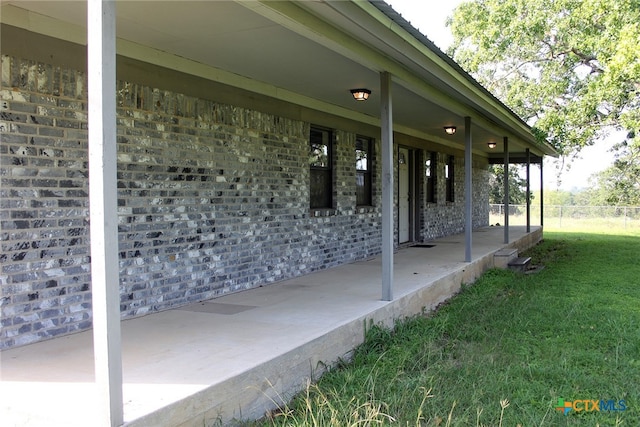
x=363 y=171
x=430 y=168
x=449 y=177
x=321 y=188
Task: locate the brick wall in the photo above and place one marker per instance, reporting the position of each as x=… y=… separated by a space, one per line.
x=43 y=203
x=480 y=205
x=212 y=199
x=444 y=218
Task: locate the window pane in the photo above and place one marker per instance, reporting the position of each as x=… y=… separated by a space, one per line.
x=450 y=174
x=320 y=188
x=363 y=189
x=363 y=146
x=319 y=149
x=431 y=170
x=321 y=176
x=361 y=160
x=363 y=171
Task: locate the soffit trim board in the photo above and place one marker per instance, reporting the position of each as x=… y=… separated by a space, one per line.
x=51 y=27
x=168 y=61
x=477 y=98
x=450 y=69
x=42 y=24
x=429 y=62
x=188 y=66
x=308 y=24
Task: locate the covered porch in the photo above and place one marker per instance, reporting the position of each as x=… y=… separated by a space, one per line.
x=201 y=104
x=237 y=356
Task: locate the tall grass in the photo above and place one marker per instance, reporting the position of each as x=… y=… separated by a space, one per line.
x=502 y=352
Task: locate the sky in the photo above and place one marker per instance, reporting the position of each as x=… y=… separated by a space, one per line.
x=429 y=16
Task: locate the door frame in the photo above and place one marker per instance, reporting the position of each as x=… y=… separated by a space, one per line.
x=412 y=210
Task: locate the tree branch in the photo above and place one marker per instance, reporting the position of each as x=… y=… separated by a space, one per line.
x=588 y=60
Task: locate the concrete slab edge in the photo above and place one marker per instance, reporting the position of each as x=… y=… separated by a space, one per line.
x=264 y=387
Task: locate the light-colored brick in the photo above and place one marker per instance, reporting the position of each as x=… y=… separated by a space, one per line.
x=212 y=199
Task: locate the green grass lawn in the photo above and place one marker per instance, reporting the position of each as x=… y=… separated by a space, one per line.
x=503 y=351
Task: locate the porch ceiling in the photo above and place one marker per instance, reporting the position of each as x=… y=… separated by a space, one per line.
x=286 y=48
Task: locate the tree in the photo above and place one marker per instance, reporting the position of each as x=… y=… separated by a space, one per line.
x=517 y=186
x=558 y=198
x=619 y=185
x=570 y=68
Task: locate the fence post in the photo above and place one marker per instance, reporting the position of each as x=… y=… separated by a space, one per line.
x=560 y=215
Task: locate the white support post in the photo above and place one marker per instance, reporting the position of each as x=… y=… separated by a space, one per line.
x=468 y=189
x=103 y=203
x=541 y=192
x=528 y=153
x=506 y=189
x=386 y=117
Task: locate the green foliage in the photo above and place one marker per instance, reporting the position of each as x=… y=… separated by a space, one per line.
x=619 y=184
x=517 y=186
x=559 y=198
x=571 y=67
x=502 y=351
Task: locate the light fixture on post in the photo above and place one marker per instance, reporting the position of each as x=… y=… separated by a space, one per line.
x=360 y=94
x=492 y=144
x=450 y=130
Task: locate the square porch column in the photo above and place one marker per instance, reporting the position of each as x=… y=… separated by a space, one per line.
x=103 y=214
x=468 y=189
x=386 y=117
x=506 y=189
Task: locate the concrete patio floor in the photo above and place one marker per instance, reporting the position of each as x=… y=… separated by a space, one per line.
x=234 y=356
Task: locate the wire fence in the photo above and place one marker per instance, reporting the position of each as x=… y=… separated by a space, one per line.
x=576 y=217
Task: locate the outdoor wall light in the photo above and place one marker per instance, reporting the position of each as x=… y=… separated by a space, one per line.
x=492 y=144
x=360 y=94
x=450 y=130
